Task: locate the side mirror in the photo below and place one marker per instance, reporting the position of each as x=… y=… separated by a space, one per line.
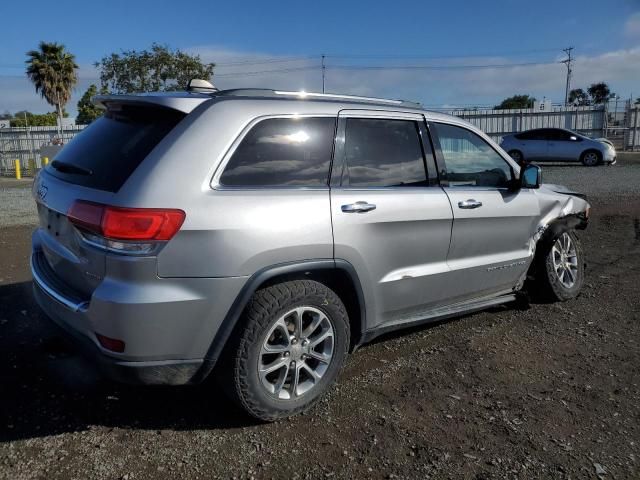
x=530 y=176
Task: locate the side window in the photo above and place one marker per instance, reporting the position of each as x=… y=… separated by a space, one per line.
x=383 y=153
x=282 y=152
x=531 y=135
x=559 y=135
x=525 y=135
x=469 y=160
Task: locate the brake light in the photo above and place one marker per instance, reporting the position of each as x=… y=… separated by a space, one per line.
x=129 y=224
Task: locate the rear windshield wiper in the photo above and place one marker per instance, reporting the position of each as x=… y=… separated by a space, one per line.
x=70 y=168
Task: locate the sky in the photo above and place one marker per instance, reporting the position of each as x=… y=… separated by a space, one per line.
x=440 y=53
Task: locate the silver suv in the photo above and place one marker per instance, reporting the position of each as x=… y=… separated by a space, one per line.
x=267 y=234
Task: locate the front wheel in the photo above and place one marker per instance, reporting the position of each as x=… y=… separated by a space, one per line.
x=560 y=272
x=292 y=344
x=590 y=158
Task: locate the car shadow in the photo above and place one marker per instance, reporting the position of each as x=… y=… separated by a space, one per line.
x=48 y=388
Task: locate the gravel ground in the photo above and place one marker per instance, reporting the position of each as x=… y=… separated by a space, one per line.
x=552 y=391
x=16 y=204
x=608 y=182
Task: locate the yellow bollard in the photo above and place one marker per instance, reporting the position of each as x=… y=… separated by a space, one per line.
x=31 y=167
x=45 y=161
x=18 y=174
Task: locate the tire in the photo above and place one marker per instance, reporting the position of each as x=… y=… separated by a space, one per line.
x=266 y=326
x=591 y=158
x=517 y=156
x=554 y=280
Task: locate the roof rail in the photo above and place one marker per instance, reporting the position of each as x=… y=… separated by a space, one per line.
x=268 y=93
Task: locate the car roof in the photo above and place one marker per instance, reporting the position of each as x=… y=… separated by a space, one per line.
x=187 y=101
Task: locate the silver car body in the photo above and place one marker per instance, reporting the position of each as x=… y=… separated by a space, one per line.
x=557 y=145
x=416 y=257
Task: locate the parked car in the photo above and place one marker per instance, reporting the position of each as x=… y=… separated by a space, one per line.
x=269 y=233
x=558 y=145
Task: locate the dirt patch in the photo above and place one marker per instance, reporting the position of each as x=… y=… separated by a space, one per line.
x=548 y=392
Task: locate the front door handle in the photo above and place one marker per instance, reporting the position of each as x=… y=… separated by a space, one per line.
x=469 y=204
x=358 y=207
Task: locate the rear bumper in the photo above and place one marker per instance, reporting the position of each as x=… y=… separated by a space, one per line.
x=167 y=324
x=69 y=320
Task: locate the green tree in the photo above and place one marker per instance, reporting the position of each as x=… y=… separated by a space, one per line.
x=516 y=101
x=24 y=119
x=157 y=69
x=52 y=70
x=87 y=111
x=578 y=96
x=599 y=92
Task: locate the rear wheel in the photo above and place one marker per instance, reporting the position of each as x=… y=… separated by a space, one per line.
x=560 y=268
x=291 y=347
x=590 y=158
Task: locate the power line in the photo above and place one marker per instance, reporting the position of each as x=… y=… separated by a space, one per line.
x=265 y=72
x=412 y=56
x=239 y=61
x=436 y=67
x=266 y=61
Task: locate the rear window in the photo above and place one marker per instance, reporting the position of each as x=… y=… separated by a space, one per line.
x=113 y=146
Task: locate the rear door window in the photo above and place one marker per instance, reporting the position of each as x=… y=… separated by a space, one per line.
x=559 y=135
x=383 y=153
x=283 y=152
x=106 y=153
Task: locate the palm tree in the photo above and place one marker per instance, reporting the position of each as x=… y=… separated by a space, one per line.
x=53 y=72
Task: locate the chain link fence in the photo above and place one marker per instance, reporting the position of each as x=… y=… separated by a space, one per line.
x=29 y=145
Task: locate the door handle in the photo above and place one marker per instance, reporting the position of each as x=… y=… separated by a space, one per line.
x=469 y=204
x=358 y=207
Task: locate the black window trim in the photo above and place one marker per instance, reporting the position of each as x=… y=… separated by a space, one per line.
x=440 y=163
x=215 y=184
x=338 y=163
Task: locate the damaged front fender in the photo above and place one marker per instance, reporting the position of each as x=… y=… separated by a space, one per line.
x=560 y=209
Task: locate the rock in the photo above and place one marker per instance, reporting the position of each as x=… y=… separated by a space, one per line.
x=600 y=470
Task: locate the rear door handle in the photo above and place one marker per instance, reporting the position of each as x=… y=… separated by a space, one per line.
x=469 y=204
x=358 y=207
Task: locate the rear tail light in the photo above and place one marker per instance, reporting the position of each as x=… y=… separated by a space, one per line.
x=132 y=230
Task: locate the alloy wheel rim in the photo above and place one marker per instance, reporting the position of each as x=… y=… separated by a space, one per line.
x=565 y=260
x=296 y=353
x=591 y=158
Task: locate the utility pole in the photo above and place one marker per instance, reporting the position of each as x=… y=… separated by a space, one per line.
x=567 y=62
x=323 y=70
